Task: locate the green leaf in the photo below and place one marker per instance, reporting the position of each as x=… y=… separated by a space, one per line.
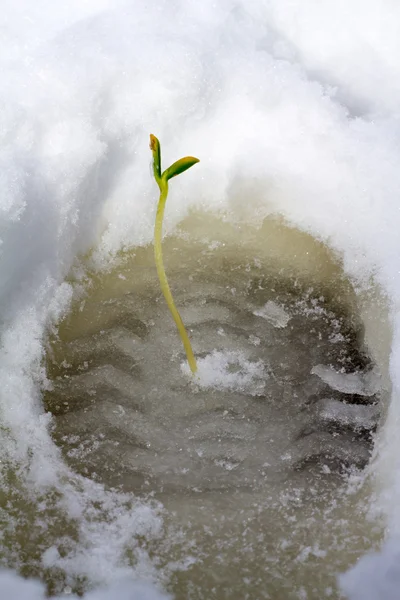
x=181 y=165
x=156 y=150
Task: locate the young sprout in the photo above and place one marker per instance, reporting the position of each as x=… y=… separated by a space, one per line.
x=162 y=181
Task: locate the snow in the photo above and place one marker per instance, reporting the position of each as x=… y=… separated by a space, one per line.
x=292 y=106
x=13 y=586
x=229 y=370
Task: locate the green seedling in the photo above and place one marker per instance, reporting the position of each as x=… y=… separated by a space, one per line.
x=162 y=179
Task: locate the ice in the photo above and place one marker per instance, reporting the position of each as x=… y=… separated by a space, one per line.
x=274 y=314
x=355 y=416
x=363 y=384
x=334 y=451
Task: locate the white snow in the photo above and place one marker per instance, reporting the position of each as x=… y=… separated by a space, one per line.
x=292 y=107
x=229 y=370
x=12 y=586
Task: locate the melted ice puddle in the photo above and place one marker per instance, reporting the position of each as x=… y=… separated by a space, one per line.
x=252 y=458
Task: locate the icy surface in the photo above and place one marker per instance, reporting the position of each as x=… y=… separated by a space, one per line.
x=364 y=384
x=251 y=428
x=274 y=314
x=286 y=114
x=355 y=416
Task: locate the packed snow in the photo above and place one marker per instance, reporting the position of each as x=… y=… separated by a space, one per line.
x=293 y=108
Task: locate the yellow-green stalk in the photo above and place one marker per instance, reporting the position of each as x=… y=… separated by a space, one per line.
x=162 y=181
